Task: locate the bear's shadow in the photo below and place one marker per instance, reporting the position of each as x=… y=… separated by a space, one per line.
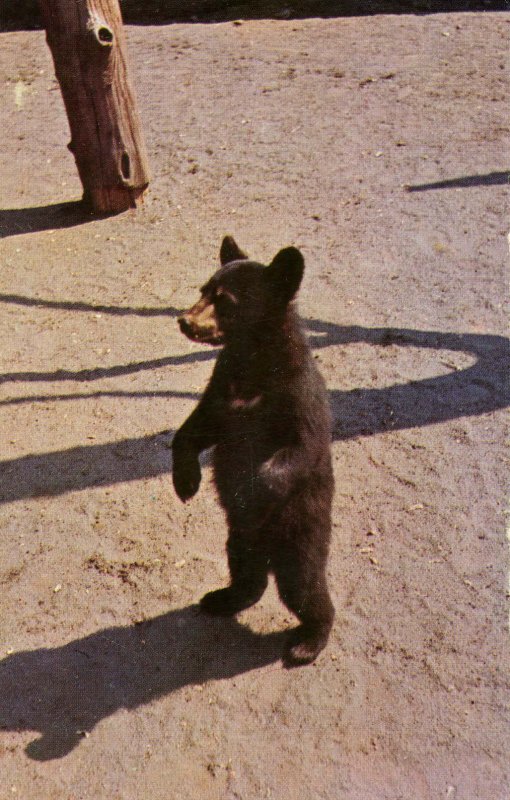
x=63 y=692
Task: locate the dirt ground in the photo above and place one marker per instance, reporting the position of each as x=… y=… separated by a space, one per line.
x=380 y=146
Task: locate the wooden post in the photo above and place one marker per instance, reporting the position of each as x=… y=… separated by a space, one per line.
x=86 y=39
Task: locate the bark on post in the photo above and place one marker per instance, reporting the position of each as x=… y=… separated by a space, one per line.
x=86 y=39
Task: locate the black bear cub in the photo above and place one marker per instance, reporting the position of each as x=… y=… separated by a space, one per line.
x=266 y=412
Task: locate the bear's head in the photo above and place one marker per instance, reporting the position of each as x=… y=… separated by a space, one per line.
x=243 y=297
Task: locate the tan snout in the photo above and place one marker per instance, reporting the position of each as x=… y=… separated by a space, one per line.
x=200 y=323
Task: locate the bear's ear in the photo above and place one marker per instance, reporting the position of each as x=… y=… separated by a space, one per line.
x=229 y=251
x=285 y=273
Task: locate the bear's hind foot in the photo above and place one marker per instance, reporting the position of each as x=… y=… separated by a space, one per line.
x=304 y=646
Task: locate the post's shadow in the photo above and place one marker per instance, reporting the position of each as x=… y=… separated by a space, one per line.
x=63 y=692
x=98 y=373
x=76 y=305
x=480 y=388
x=16 y=221
x=464 y=182
x=66 y=398
x=85 y=466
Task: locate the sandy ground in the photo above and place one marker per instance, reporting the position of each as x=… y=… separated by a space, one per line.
x=304 y=132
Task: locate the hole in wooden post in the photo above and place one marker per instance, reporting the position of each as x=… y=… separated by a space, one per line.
x=105 y=35
x=125 y=166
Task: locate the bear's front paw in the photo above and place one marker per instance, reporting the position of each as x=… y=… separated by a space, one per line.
x=186 y=477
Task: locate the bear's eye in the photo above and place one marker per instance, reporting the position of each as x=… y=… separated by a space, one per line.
x=224 y=304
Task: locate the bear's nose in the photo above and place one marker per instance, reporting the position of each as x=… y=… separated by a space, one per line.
x=184 y=325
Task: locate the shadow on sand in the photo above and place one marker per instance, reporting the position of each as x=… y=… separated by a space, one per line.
x=63 y=692
x=16 y=221
x=464 y=182
x=24 y=14
x=477 y=389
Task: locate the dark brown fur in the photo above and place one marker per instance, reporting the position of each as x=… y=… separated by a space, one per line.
x=266 y=412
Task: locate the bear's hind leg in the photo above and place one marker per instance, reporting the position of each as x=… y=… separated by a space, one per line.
x=248 y=578
x=302 y=587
